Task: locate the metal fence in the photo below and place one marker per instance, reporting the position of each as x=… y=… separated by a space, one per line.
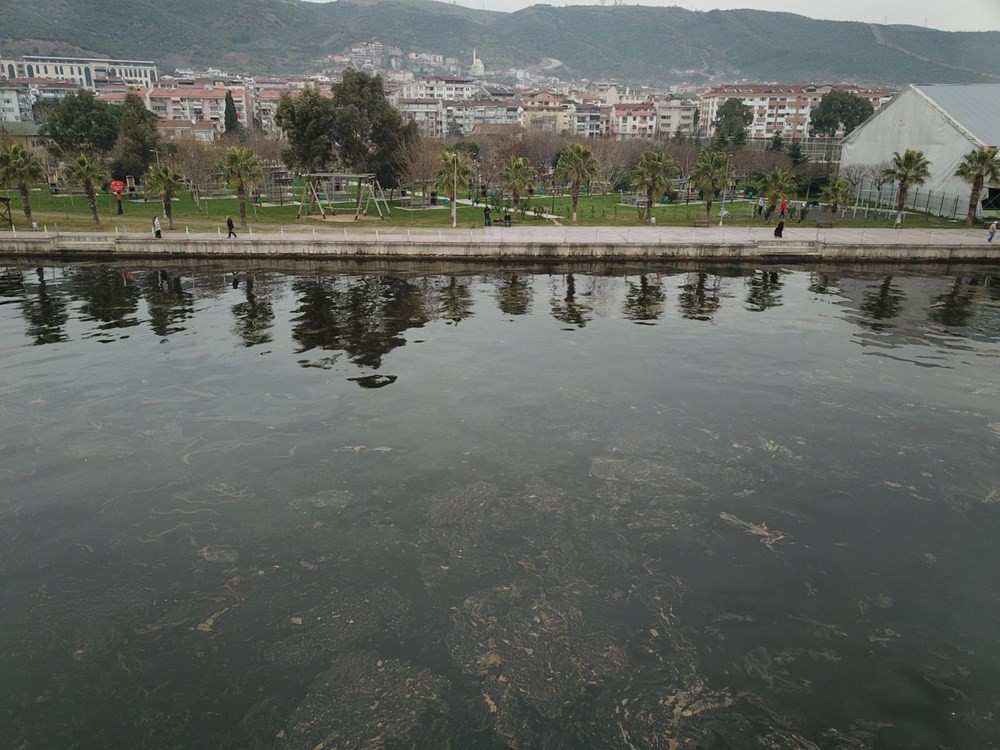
x=880 y=202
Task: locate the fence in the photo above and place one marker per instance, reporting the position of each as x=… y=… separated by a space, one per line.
x=881 y=201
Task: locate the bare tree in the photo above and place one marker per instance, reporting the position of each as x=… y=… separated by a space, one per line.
x=421 y=158
x=615 y=160
x=197 y=161
x=684 y=156
x=855 y=174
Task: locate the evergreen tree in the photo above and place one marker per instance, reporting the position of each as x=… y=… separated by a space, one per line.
x=232 y=119
x=138 y=140
x=80 y=124
x=839 y=109
x=732 y=121
x=795 y=153
x=308 y=123
x=777 y=143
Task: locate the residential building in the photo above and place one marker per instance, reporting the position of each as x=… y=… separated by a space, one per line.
x=588 y=122
x=15 y=103
x=675 y=115
x=428 y=114
x=25 y=134
x=547 y=111
x=778 y=108
x=943 y=121
x=632 y=121
x=85 y=72
x=446 y=89
x=178 y=130
x=196 y=104
x=462 y=117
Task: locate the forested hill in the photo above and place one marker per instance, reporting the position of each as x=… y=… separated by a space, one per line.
x=636 y=43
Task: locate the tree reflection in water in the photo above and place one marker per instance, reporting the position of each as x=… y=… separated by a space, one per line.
x=454 y=300
x=363 y=316
x=954 y=308
x=46 y=314
x=698 y=300
x=568 y=310
x=514 y=294
x=109 y=296
x=764 y=291
x=644 y=301
x=254 y=316
x=882 y=303
x=167 y=301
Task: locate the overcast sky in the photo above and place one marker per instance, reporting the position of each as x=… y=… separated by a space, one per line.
x=955 y=15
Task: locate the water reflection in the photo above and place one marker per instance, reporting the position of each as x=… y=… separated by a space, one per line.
x=644 y=301
x=508 y=535
x=698 y=299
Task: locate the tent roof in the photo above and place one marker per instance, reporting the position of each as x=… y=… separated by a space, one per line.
x=972 y=106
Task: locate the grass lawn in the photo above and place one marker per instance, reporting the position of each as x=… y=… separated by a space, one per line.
x=72 y=214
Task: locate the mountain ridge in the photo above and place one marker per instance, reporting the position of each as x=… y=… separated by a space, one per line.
x=645 y=44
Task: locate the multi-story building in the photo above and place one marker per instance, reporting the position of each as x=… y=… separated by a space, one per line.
x=778 y=108
x=462 y=117
x=15 y=102
x=196 y=104
x=675 y=115
x=428 y=114
x=85 y=72
x=588 y=122
x=547 y=111
x=446 y=89
x=632 y=121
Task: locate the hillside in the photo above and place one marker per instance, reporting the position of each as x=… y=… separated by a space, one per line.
x=637 y=43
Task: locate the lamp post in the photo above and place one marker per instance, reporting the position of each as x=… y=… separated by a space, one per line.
x=157 y=153
x=454 y=190
x=725 y=187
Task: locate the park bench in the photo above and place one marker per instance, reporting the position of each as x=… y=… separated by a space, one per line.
x=824 y=224
x=701 y=222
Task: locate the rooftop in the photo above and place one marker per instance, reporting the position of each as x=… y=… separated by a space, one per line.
x=973 y=106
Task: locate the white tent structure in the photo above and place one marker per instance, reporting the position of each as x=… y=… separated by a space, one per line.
x=943 y=121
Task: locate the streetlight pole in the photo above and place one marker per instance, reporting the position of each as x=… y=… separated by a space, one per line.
x=454 y=190
x=725 y=187
x=157 y=153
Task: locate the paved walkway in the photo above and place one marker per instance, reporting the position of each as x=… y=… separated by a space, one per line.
x=548 y=234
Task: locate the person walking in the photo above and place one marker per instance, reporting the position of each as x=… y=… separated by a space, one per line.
x=487 y=217
x=230 y=226
x=760 y=206
x=156 y=228
x=992 y=231
x=784 y=209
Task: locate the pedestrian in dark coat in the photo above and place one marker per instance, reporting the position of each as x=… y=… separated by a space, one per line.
x=230 y=226
x=780 y=229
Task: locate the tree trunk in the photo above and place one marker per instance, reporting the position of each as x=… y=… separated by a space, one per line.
x=649 y=204
x=574 y=192
x=454 y=209
x=709 y=199
x=92 y=202
x=977 y=189
x=517 y=200
x=168 y=211
x=241 y=194
x=901 y=202
x=22 y=188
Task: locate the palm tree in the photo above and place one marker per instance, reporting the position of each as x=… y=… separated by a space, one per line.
x=708 y=175
x=19 y=168
x=88 y=172
x=165 y=183
x=453 y=174
x=242 y=171
x=653 y=174
x=911 y=169
x=980 y=166
x=576 y=166
x=776 y=185
x=516 y=175
x=838 y=192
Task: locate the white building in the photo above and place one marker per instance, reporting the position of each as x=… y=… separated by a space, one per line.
x=85 y=72
x=943 y=121
x=674 y=115
x=777 y=108
x=15 y=103
x=446 y=89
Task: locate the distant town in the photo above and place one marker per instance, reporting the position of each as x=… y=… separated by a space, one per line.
x=444 y=96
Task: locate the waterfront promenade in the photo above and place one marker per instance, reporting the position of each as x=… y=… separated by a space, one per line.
x=556 y=242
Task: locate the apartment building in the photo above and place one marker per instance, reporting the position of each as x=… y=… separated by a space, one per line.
x=85 y=72
x=438 y=87
x=778 y=108
x=675 y=115
x=428 y=114
x=547 y=111
x=196 y=104
x=632 y=121
x=588 y=122
x=15 y=103
x=461 y=118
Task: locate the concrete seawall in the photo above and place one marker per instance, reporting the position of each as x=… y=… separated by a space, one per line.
x=525 y=244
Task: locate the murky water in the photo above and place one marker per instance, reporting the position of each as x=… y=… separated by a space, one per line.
x=486 y=508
